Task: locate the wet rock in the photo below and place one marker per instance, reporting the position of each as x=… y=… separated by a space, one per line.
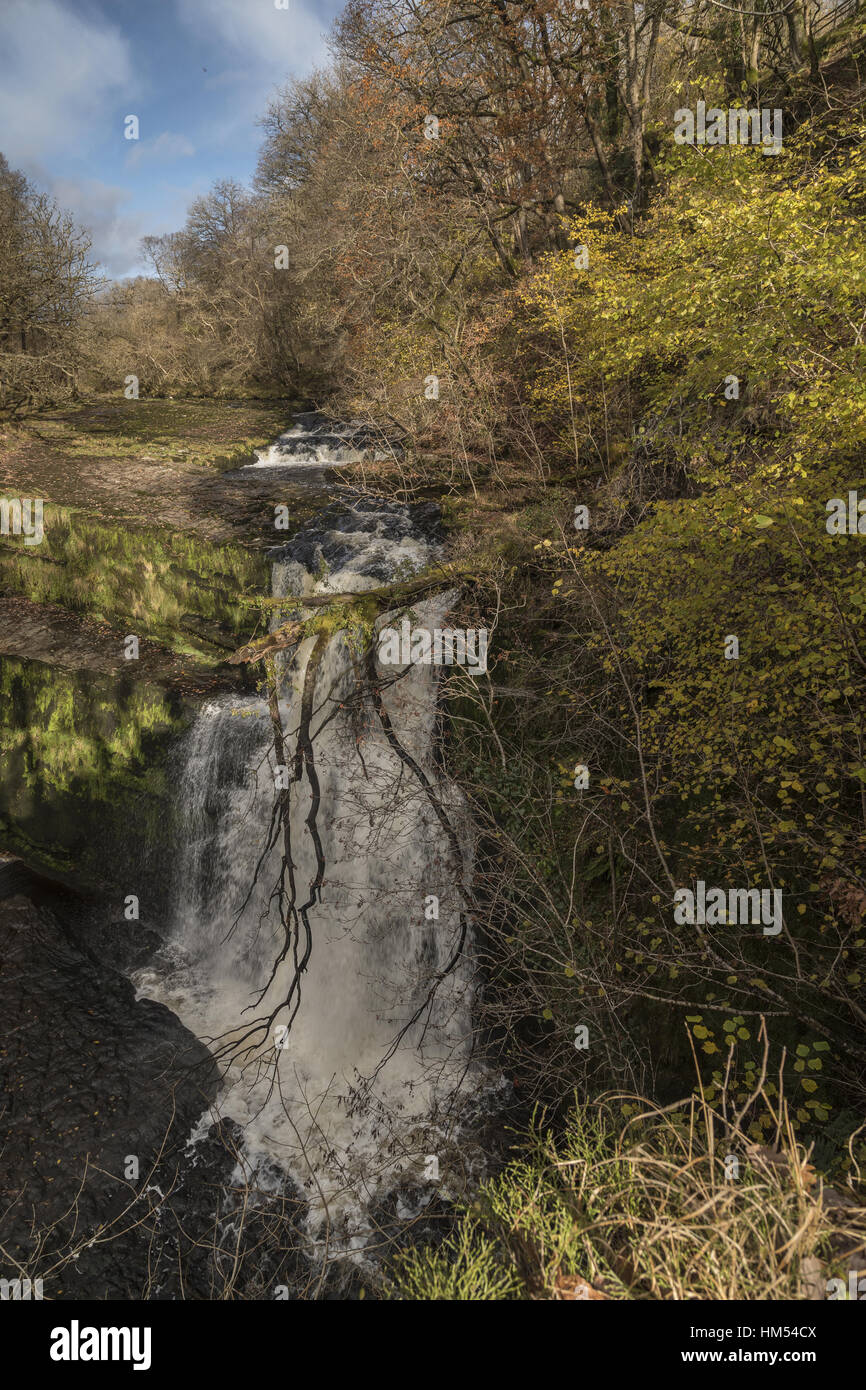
x=93 y=1078
x=365 y=536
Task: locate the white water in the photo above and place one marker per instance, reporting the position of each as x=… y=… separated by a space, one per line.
x=377 y=948
x=319 y=440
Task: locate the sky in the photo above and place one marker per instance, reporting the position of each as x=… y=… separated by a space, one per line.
x=196 y=73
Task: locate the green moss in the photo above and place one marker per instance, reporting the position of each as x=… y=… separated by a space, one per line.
x=156 y=581
x=73 y=731
x=83 y=785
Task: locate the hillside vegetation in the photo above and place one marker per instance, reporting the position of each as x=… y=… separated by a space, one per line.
x=634 y=372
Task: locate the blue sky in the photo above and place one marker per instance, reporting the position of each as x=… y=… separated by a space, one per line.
x=197 y=73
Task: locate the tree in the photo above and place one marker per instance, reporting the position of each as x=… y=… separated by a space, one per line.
x=46 y=285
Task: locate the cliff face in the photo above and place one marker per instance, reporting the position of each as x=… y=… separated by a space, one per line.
x=99 y=1088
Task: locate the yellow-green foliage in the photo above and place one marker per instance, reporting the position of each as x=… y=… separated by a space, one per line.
x=641 y=1209
x=746 y=772
x=780 y=726
x=746 y=267
x=468 y=1266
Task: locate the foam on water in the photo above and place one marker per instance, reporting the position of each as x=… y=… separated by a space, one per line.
x=316 y=439
x=329 y=1109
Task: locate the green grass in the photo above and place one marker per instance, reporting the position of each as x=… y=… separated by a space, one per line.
x=205 y=432
x=144 y=577
x=634 y=1202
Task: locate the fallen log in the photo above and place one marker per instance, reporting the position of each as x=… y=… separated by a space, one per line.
x=366 y=604
x=403 y=588
x=287 y=636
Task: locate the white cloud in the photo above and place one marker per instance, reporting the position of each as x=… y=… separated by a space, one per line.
x=281 y=41
x=60 y=75
x=100 y=207
x=266 y=47
x=163 y=150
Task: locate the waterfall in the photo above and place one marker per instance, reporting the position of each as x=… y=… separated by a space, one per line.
x=315 y=438
x=342 y=1106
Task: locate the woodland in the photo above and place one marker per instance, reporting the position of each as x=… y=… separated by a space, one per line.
x=630 y=370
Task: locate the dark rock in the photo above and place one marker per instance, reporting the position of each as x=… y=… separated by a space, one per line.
x=91 y=1077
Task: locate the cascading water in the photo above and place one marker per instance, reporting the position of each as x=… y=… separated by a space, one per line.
x=368 y=1082
x=315 y=438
